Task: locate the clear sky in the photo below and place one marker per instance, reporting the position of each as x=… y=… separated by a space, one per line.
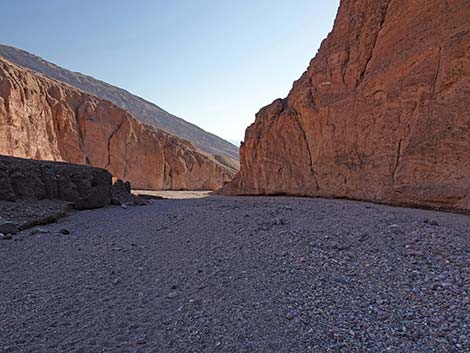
x=212 y=62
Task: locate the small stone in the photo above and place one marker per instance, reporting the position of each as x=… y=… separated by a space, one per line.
x=64 y=231
x=279 y=221
x=7 y=227
x=37 y=231
x=434 y=223
x=342 y=247
x=5 y=236
x=124 y=206
x=172 y=295
x=290 y=315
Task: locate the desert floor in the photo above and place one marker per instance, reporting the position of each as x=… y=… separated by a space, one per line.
x=175 y=195
x=221 y=274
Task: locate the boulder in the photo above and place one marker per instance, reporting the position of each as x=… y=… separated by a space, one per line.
x=121 y=194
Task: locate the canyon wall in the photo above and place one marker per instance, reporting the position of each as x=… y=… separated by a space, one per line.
x=381 y=114
x=41 y=118
x=144 y=111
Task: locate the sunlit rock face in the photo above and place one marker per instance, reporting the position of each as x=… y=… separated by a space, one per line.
x=41 y=118
x=144 y=111
x=382 y=112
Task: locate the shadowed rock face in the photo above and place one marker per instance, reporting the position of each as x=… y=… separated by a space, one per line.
x=381 y=114
x=85 y=187
x=41 y=118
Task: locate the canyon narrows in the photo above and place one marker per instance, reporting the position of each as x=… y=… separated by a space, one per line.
x=190 y=250
x=381 y=114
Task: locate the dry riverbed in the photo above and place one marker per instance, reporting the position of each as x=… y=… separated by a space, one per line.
x=174 y=195
x=239 y=275
x=26 y=214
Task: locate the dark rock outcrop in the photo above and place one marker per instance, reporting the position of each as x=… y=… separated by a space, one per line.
x=41 y=118
x=121 y=194
x=381 y=114
x=83 y=186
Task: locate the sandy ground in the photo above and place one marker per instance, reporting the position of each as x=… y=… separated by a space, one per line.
x=239 y=275
x=174 y=195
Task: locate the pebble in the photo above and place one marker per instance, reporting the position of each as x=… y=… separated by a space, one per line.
x=7 y=227
x=172 y=295
x=290 y=315
x=37 y=231
x=64 y=231
x=5 y=236
x=279 y=221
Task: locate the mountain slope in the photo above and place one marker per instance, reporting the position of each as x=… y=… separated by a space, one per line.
x=143 y=110
x=41 y=118
x=381 y=114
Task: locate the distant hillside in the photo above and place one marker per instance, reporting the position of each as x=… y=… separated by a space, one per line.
x=146 y=112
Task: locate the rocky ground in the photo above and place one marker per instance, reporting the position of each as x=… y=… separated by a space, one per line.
x=27 y=213
x=239 y=275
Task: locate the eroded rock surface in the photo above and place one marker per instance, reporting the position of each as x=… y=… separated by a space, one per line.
x=144 y=111
x=121 y=194
x=45 y=119
x=381 y=114
x=83 y=186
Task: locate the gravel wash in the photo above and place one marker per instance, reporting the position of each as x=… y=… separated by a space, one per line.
x=239 y=275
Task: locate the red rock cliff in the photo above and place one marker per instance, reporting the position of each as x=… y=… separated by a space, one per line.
x=42 y=118
x=381 y=114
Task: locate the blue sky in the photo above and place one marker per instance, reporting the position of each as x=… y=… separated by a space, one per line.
x=212 y=62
